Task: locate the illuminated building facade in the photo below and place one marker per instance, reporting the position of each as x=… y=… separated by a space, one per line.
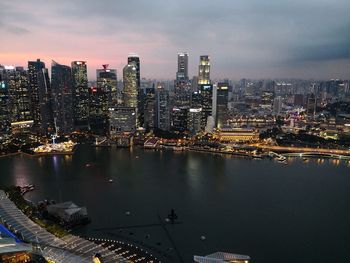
x=134 y=58
x=5 y=125
x=194 y=117
x=98 y=110
x=150 y=109
x=61 y=83
x=41 y=97
x=80 y=94
x=179 y=117
x=204 y=70
x=221 y=103
x=182 y=92
x=182 y=66
x=235 y=135
x=206 y=91
x=163 y=109
x=130 y=91
x=107 y=81
x=122 y=119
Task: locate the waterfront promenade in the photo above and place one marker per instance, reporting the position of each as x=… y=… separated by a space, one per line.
x=67 y=249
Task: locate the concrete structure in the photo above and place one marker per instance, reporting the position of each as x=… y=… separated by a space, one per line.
x=122 y=119
x=68 y=212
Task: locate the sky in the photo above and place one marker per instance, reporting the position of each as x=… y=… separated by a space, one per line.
x=307 y=39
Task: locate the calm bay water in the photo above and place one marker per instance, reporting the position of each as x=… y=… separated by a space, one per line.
x=273 y=212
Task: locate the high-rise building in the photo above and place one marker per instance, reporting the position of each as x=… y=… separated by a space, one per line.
x=196 y=100
x=80 y=94
x=179 y=119
x=163 y=108
x=5 y=125
x=204 y=70
x=277 y=105
x=130 y=91
x=122 y=119
x=41 y=97
x=134 y=58
x=182 y=66
x=221 y=103
x=19 y=95
x=194 y=118
x=311 y=105
x=150 y=109
x=206 y=91
x=182 y=93
x=61 y=83
x=107 y=81
x=98 y=110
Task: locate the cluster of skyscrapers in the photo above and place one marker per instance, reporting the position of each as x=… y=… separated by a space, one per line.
x=31 y=101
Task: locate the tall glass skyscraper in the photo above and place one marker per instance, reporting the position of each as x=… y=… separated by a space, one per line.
x=61 y=83
x=107 y=81
x=204 y=70
x=80 y=94
x=5 y=126
x=130 y=90
x=182 y=66
x=41 y=97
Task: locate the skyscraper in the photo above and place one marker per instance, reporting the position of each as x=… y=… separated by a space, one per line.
x=19 y=95
x=221 y=103
x=150 y=109
x=5 y=126
x=277 y=105
x=182 y=66
x=204 y=70
x=80 y=94
x=107 y=81
x=98 y=110
x=163 y=108
x=134 y=58
x=41 y=97
x=61 y=83
x=206 y=92
x=130 y=90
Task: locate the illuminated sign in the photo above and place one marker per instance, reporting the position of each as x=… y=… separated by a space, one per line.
x=196 y=110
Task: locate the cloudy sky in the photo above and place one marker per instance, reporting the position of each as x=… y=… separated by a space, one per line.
x=244 y=38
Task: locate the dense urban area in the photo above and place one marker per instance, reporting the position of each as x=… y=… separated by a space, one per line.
x=38 y=110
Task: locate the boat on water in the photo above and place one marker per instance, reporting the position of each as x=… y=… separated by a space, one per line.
x=110 y=180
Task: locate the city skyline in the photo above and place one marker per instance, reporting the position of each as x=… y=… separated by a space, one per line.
x=244 y=40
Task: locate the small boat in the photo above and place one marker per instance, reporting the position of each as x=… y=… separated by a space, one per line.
x=127 y=213
x=88 y=165
x=110 y=180
x=203 y=238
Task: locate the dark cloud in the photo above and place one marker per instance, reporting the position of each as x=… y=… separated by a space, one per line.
x=251 y=35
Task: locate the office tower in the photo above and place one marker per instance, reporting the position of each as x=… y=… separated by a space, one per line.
x=107 y=81
x=134 y=58
x=267 y=98
x=182 y=66
x=61 y=83
x=150 y=109
x=221 y=104
x=194 y=83
x=80 y=94
x=204 y=70
x=41 y=97
x=5 y=125
x=311 y=105
x=206 y=92
x=179 y=119
x=182 y=93
x=163 y=108
x=122 y=119
x=130 y=91
x=19 y=96
x=194 y=118
x=277 y=105
x=196 y=100
x=98 y=111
